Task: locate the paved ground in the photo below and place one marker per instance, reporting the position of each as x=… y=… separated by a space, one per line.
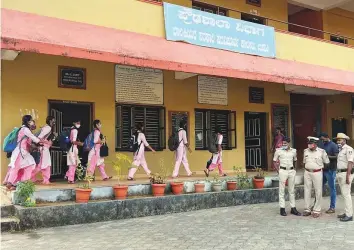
x=242 y=227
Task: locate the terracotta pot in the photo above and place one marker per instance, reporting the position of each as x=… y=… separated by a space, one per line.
x=83 y=195
x=231 y=185
x=177 y=187
x=199 y=187
x=258 y=183
x=216 y=187
x=120 y=192
x=158 y=189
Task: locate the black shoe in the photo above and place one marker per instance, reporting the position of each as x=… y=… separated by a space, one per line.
x=282 y=212
x=295 y=212
x=341 y=216
x=346 y=219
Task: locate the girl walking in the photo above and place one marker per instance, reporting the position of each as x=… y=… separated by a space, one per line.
x=72 y=157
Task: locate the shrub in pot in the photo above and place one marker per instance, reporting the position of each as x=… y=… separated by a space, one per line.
x=216 y=184
x=243 y=180
x=158 y=181
x=24 y=192
x=120 y=191
x=199 y=187
x=83 y=191
x=258 y=179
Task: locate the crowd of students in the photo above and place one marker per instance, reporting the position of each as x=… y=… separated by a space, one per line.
x=23 y=165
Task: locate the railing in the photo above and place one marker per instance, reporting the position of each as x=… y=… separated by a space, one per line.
x=306 y=30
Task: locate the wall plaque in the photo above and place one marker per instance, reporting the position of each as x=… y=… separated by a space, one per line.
x=256 y=95
x=138 y=85
x=280 y=117
x=257 y=3
x=70 y=77
x=212 y=90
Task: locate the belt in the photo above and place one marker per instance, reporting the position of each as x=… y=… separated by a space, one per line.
x=314 y=170
x=344 y=170
x=286 y=168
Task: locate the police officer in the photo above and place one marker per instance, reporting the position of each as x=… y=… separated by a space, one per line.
x=286 y=156
x=314 y=160
x=345 y=175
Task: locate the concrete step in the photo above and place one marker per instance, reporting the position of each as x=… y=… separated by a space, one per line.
x=7 y=211
x=10 y=224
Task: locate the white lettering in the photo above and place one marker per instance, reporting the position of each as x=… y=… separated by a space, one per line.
x=263 y=47
x=185 y=33
x=229 y=41
x=206 y=37
x=248 y=45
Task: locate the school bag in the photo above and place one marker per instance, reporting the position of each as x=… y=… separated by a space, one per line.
x=212 y=143
x=89 y=142
x=173 y=141
x=133 y=144
x=10 y=141
x=64 y=139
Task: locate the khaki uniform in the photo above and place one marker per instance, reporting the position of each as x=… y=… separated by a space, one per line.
x=345 y=155
x=286 y=159
x=314 y=160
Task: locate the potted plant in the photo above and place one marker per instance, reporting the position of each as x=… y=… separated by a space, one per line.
x=243 y=180
x=199 y=187
x=216 y=183
x=120 y=191
x=177 y=187
x=231 y=182
x=258 y=179
x=158 y=181
x=83 y=191
x=25 y=191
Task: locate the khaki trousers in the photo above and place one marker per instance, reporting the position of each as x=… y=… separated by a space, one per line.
x=290 y=176
x=345 y=189
x=315 y=180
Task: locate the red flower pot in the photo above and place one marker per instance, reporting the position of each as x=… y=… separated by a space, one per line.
x=231 y=185
x=120 y=192
x=158 y=189
x=258 y=183
x=199 y=187
x=82 y=195
x=177 y=188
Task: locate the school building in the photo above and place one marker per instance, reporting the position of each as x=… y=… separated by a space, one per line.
x=247 y=66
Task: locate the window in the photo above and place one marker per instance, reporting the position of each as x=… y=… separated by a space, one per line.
x=253 y=19
x=257 y=3
x=209 y=8
x=338 y=39
x=152 y=117
x=207 y=120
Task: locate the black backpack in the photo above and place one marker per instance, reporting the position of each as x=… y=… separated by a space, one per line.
x=173 y=141
x=64 y=139
x=212 y=143
x=133 y=145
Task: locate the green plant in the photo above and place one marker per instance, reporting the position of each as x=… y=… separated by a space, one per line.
x=161 y=176
x=120 y=162
x=83 y=175
x=216 y=179
x=259 y=173
x=25 y=190
x=243 y=181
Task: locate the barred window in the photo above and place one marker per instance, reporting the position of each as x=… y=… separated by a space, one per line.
x=153 y=118
x=206 y=122
x=209 y=8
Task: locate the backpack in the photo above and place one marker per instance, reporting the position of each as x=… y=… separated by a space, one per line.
x=133 y=145
x=89 y=142
x=10 y=141
x=64 y=139
x=212 y=143
x=173 y=141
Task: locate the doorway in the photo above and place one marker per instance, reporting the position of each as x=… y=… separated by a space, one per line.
x=255 y=140
x=65 y=112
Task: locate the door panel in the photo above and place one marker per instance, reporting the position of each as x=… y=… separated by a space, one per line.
x=55 y=153
x=255 y=140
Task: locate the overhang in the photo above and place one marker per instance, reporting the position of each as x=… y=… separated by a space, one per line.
x=40 y=34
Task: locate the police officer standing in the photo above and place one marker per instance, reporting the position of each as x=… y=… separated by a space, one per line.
x=314 y=160
x=286 y=156
x=345 y=175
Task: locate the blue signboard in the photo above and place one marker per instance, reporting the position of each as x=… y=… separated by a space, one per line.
x=220 y=32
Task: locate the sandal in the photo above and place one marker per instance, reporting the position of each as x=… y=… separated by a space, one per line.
x=71 y=182
x=108 y=178
x=130 y=179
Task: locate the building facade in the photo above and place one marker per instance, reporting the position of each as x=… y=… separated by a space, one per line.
x=114 y=61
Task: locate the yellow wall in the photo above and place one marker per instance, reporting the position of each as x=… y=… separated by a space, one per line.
x=148 y=19
x=341 y=22
x=30 y=80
